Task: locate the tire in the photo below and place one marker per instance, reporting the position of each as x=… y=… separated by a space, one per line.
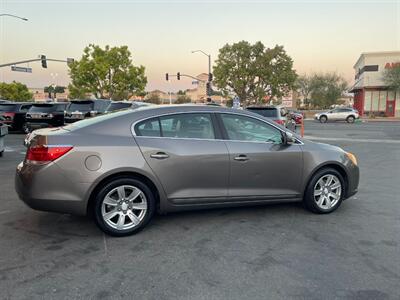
x=25 y=128
x=333 y=196
x=350 y=119
x=323 y=119
x=120 y=221
x=1 y=153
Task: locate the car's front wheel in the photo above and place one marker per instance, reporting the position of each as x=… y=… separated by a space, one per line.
x=325 y=191
x=323 y=119
x=123 y=207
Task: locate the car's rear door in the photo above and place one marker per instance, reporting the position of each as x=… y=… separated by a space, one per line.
x=186 y=156
x=260 y=165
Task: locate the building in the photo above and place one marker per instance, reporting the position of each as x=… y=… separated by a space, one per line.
x=371 y=96
x=39 y=95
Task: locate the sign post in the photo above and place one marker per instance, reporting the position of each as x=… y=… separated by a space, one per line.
x=21 y=69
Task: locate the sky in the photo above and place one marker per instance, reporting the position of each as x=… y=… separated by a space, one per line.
x=320 y=36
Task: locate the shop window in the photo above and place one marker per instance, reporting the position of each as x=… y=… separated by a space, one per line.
x=391 y=95
x=375 y=101
x=367 y=101
x=382 y=100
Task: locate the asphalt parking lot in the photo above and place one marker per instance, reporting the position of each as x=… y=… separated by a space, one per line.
x=270 y=252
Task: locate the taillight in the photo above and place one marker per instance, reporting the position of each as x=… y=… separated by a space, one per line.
x=280 y=122
x=45 y=154
x=9 y=116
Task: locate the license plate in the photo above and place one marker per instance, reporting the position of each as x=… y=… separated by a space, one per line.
x=36 y=116
x=77 y=116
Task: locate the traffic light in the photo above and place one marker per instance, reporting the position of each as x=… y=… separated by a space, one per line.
x=166 y=76
x=210 y=77
x=44 y=62
x=178 y=76
x=208 y=89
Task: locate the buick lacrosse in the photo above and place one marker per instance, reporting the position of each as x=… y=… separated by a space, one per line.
x=123 y=167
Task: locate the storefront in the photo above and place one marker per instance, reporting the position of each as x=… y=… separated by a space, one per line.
x=371 y=96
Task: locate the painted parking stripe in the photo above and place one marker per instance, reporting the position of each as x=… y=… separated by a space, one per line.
x=340 y=139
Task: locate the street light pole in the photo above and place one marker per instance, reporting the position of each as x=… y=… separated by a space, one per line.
x=209 y=69
x=13 y=16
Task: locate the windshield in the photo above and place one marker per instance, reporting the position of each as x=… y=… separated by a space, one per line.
x=42 y=108
x=8 y=107
x=265 y=112
x=84 y=106
x=117 y=106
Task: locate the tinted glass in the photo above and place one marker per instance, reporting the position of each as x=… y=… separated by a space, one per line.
x=8 y=107
x=85 y=107
x=24 y=108
x=93 y=121
x=265 y=112
x=194 y=126
x=241 y=128
x=116 y=106
x=148 y=128
x=43 y=108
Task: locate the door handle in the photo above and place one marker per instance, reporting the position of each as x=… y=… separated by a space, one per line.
x=241 y=157
x=159 y=155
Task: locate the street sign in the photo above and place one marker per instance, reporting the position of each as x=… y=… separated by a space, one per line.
x=21 y=69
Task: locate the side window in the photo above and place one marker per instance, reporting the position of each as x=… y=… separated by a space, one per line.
x=24 y=108
x=149 y=127
x=242 y=128
x=195 y=126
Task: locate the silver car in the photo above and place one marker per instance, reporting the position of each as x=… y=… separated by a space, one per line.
x=125 y=166
x=338 y=114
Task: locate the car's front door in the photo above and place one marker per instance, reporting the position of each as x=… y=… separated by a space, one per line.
x=182 y=150
x=261 y=165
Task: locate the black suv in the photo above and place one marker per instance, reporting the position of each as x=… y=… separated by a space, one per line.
x=42 y=115
x=81 y=109
x=14 y=114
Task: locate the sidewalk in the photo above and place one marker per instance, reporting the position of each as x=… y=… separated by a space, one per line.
x=381 y=119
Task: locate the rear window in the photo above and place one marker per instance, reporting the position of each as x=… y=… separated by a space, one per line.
x=95 y=120
x=117 y=106
x=42 y=108
x=8 y=107
x=83 y=106
x=265 y=112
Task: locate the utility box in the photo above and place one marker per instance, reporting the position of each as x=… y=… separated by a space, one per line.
x=3 y=132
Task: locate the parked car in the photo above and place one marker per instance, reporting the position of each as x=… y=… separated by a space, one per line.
x=80 y=109
x=14 y=114
x=272 y=112
x=174 y=158
x=118 y=105
x=42 y=115
x=338 y=114
x=3 y=132
x=297 y=116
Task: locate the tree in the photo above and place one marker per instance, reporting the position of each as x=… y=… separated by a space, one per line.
x=183 y=99
x=253 y=71
x=54 y=90
x=15 y=91
x=327 y=89
x=106 y=73
x=304 y=85
x=180 y=92
x=153 y=98
x=391 y=77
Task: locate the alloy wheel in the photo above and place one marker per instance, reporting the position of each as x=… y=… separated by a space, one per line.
x=124 y=207
x=327 y=191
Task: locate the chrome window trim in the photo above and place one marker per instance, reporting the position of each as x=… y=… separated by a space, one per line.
x=298 y=141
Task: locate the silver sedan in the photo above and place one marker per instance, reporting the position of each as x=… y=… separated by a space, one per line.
x=125 y=166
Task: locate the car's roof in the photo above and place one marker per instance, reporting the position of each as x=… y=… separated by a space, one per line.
x=17 y=103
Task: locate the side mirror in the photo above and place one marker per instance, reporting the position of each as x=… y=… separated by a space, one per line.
x=288 y=138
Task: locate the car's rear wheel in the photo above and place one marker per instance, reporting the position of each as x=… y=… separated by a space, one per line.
x=124 y=206
x=350 y=119
x=323 y=119
x=325 y=191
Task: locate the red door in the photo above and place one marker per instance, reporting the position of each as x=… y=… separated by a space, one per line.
x=390 y=104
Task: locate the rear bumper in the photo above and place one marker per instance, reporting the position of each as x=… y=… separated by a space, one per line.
x=45 y=188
